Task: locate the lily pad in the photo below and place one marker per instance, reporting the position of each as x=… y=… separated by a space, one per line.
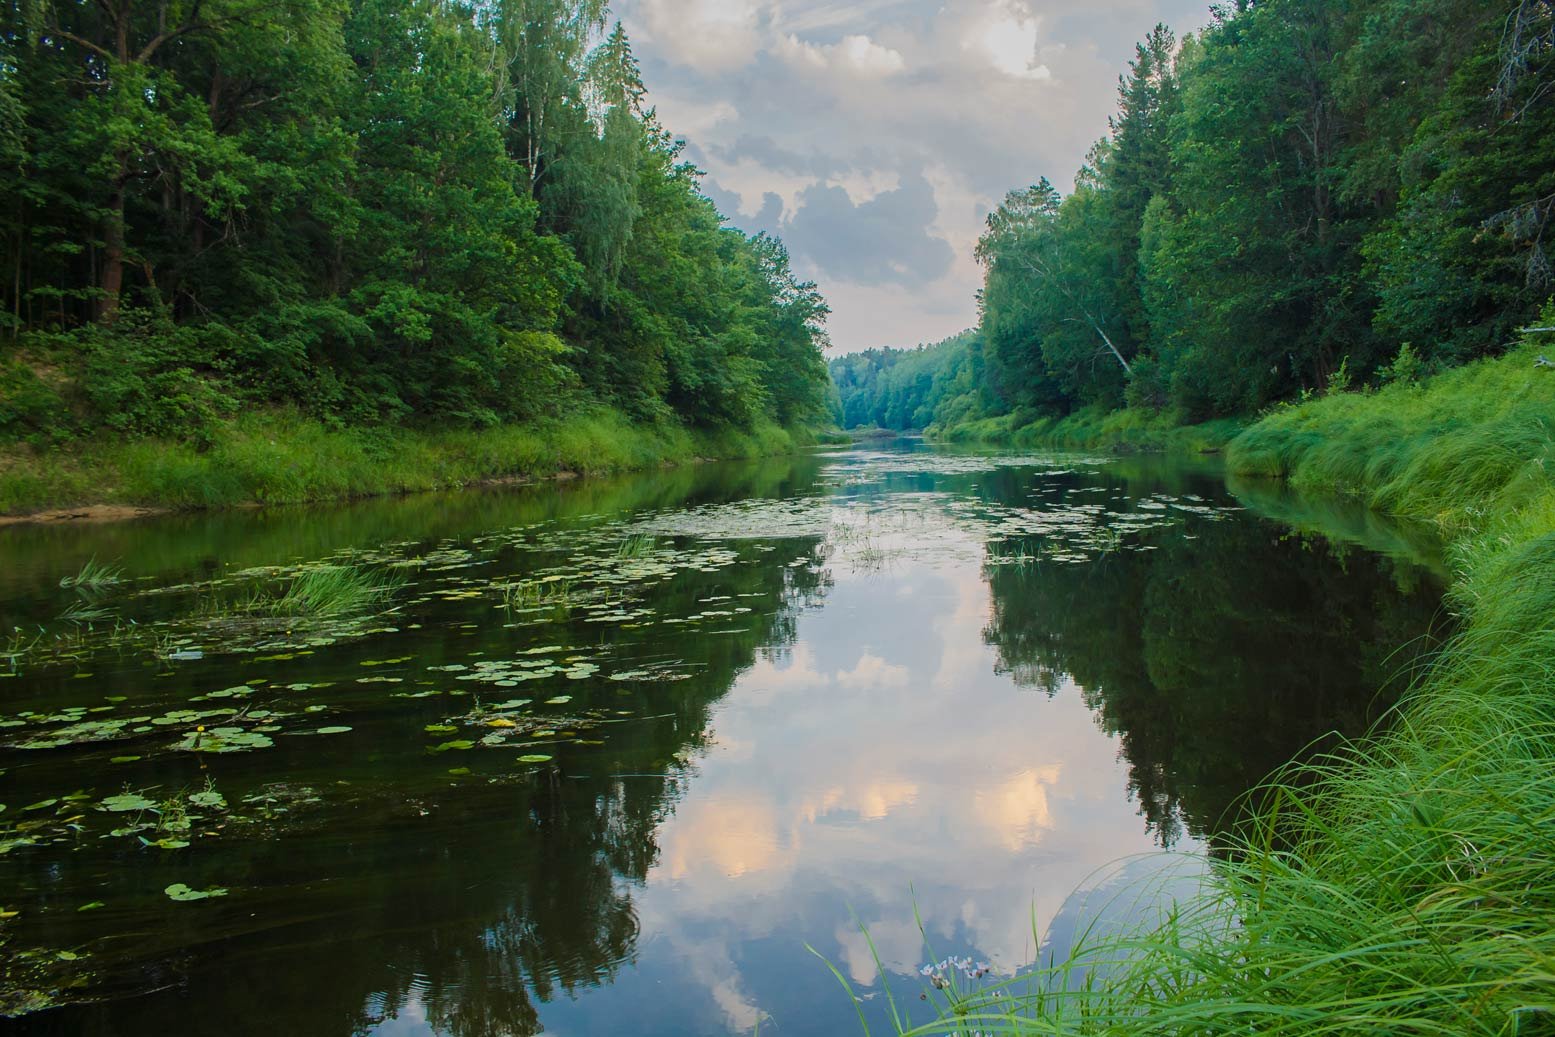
x=182 y=893
x=535 y=758
x=458 y=744
x=127 y=802
x=224 y=740
x=333 y=730
x=210 y=799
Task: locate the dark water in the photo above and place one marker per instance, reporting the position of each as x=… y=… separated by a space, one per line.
x=719 y=714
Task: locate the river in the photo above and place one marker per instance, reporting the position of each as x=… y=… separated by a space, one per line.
x=652 y=755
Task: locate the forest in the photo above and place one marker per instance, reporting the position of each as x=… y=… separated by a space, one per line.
x=422 y=214
x=1306 y=197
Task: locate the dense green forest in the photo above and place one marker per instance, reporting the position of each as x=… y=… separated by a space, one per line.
x=906 y=388
x=384 y=212
x=1308 y=196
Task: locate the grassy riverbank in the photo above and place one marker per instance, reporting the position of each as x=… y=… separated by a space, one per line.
x=1096 y=428
x=280 y=457
x=1406 y=886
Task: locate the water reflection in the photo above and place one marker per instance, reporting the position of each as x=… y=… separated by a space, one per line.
x=957 y=685
x=1218 y=658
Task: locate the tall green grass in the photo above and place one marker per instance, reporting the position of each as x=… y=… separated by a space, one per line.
x=1096 y=427
x=281 y=457
x=1405 y=885
x=330 y=590
x=93 y=575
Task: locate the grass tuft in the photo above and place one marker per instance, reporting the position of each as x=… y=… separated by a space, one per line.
x=333 y=590
x=94 y=575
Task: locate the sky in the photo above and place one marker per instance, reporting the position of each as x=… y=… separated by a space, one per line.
x=875 y=136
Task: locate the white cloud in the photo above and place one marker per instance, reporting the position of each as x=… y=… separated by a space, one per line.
x=693 y=117
x=873 y=672
x=707 y=35
x=855 y=55
x=1006 y=37
x=787 y=102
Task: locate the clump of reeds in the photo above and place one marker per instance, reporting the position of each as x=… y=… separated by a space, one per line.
x=93 y=575
x=639 y=545
x=330 y=590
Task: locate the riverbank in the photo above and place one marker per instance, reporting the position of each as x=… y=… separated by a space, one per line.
x=281 y=457
x=1406 y=885
x=1097 y=428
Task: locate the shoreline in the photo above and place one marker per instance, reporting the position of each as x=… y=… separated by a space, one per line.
x=281 y=458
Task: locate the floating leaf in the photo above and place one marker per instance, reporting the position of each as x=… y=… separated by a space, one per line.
x=224 y=740
x=333 y=730
x=210 y=799
x=182 y=893
x=500 y=722
x=40 y=805
x=535 y=758
x=126 y=803
x=93 y=906
x=167 y=844
x=560 y=700
x=126 y=759
x=459 y=744
x=440 y=729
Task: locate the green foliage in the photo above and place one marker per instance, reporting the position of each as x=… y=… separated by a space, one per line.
x=1282 y=202
x=30 y=408
x=393 y=213
x=331 y=590
x=283 y=457
x=898 y=389
x=1405 y=368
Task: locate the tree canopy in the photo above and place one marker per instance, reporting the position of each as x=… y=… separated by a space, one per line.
x=1285 y=203
x=406 y=211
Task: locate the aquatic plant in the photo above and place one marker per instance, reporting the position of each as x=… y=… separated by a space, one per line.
x=18 y=643
x=93 y=575
x=329 y=590
x=84 y=612
x=525 y=594
x=637 y=546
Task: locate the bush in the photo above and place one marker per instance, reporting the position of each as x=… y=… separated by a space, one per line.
x=30 y=409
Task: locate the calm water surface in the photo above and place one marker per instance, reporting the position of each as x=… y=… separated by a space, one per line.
x=616 y=752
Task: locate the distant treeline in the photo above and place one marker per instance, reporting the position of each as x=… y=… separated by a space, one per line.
x=1307 y=196
x=386 y=211
x=905 y=388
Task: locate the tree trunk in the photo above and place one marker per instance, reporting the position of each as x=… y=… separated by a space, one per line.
x=113 y=259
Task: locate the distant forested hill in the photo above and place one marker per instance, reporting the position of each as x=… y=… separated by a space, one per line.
x=910 y=388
